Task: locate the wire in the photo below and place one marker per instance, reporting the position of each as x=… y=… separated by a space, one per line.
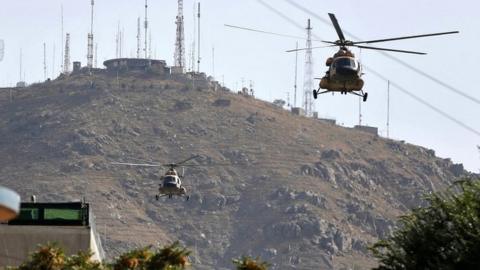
x=399 y=61
x=420 y=100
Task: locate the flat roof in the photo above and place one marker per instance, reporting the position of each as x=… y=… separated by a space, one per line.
x=53 y=214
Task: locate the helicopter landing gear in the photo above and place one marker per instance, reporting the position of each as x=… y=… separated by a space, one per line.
x=363 y=95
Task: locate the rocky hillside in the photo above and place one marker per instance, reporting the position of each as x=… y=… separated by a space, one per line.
x=301 y=193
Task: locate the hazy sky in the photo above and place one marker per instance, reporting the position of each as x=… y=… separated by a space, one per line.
x=454 y=59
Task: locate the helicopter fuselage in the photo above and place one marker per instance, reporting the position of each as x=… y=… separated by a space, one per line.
x=343 y=74
x=172 y=185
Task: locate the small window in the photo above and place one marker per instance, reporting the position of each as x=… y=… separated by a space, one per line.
x=62 y=214
x=28 y=214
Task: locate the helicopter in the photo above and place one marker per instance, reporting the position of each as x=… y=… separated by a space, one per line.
x=344 y=70
x=172 y=181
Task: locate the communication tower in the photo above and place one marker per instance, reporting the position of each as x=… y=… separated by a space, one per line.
x=139 y=36
x=44 y=61
x=66 y=59
x=179 y=56
x=308 y=75
x=90 y=41
x=146 y=30
x=199 y=58
x=2 y=49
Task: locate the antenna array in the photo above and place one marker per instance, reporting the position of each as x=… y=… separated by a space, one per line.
x=66 y=59
x=179 y=56
x=90 y=41
x=308 y=74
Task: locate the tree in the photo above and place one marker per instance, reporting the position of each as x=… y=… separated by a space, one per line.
x=443 y=235
x=247 y=263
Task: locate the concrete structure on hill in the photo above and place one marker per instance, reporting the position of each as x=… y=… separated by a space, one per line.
x=368 y=129
x=70 y=225
x=328 y=120
x=137 y=64
x=298 y=111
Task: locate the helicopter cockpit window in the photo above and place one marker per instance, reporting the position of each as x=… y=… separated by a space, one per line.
x=345 y=62
x=170 y=179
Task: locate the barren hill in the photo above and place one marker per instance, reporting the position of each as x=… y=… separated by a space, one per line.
x=301 y=193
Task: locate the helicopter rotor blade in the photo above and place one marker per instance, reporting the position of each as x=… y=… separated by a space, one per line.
x=188 y=159
x=337 y=27
x=304 y=49
x=390 y=50
x=405 y=37
x=136 y=164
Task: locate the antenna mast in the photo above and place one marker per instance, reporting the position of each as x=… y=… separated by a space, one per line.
x=96 y=55
x=388 y=110
x=44 y=61
x=194 y=36
x=213 y=62
x=53 y=61
x=66 y=64
x=198 y=61
x=90 y=41
x=308 y=76
x=359 y=111
x=61 y=17
x=21 y=64
x=296 y=76
x=146 y=30
x=139 y=34
x=179 y=56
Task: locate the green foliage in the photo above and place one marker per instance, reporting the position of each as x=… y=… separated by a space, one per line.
x=248 y=263
x=443 y=235
x=171 y=257
x=49 y=257
x=133 y=260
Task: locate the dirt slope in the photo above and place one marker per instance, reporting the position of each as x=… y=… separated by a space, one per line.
x=300 y=193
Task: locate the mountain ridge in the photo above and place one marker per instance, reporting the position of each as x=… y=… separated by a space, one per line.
x=301 y=193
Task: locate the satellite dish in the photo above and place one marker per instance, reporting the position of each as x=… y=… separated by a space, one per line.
x=9 y=204
x=2 y=47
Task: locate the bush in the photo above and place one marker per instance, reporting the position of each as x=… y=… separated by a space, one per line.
x=247 y=263
x=443 y=235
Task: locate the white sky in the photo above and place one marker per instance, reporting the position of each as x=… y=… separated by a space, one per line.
x=27 y=24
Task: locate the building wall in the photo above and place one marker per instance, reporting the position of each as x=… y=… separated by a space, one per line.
x=17 y=242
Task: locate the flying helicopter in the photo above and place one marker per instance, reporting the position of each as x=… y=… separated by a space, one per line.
x=344 y=70
x=172 y=181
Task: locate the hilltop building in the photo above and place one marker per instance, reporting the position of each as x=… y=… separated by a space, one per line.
x=70 y=225
x=137 y=64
